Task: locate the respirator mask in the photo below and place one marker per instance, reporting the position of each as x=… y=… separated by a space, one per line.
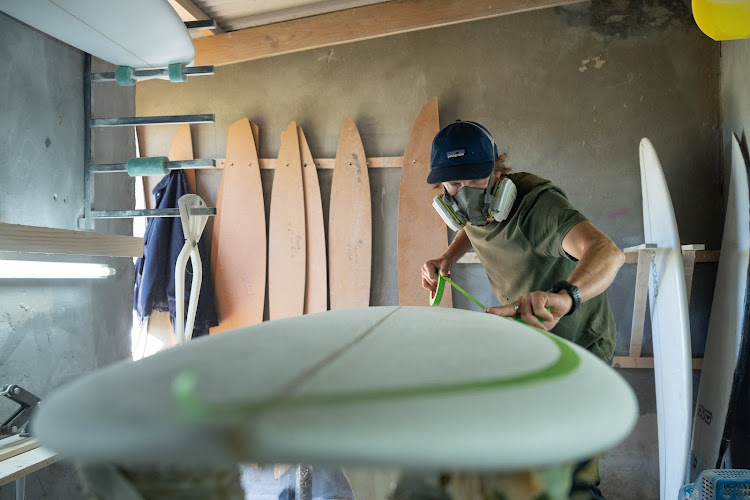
x=475 y=205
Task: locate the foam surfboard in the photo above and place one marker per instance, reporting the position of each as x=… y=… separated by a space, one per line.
x=422 y=234
x=670 y=326
x=287 y=244
x=723 y=19
x=350 y=224
x=316 y=281
x=327 y=388
x=238 y=247
x=727 y=327
x=137 y=33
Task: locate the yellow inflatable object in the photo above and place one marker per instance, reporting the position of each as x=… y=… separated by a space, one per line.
x=723 y=19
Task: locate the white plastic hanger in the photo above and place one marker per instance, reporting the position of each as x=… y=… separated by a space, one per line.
x=192 y=228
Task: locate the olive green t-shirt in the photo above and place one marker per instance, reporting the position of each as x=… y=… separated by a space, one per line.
x=524 y=254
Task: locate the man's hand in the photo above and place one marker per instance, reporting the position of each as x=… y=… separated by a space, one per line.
x=535 y=304
x=430 y=271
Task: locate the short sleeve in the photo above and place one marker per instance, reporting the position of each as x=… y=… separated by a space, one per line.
x=546 y=222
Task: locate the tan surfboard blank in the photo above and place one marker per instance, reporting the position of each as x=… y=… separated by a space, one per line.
x=350 y=224
x=316 y=282
x=422 y=234
x=238 y=247
x=181 y=150
x=287 y=246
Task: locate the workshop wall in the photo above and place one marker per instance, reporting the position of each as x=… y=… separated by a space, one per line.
x=567 y=93
x=52 y=331
x=735 y=97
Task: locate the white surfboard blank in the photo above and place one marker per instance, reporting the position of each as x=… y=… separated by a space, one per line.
x=726 y=328
x=137 y=33
x=375 y=385
x=670 y=325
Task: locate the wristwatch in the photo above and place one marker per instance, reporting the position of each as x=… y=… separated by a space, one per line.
x=572 y=291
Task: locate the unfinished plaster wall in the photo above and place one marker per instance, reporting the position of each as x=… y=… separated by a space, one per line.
x=52 y=331
x=567 y=93
x=735 y=95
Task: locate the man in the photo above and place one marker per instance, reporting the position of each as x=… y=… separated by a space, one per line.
x=539 y=252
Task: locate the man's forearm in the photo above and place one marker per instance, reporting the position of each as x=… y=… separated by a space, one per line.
x=597 y=268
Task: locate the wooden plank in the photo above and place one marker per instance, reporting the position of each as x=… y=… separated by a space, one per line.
x=707 y=256
x=26 y=463
x=700 y=256
x=350 y=224
x=328 y=163
x=638 y=248
x=32 y=239
x=238 y=248
x=648 y=363
x=639 y=302
x=631 y=257
x=688 y=264
x=182 y=149
x=316 y=280
x=351 y=25
x=287 y=245
x=15 y=445
x=306 y=10
x=422 y=234
x=188 y=11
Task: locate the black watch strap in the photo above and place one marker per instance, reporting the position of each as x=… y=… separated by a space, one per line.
x=572 y=291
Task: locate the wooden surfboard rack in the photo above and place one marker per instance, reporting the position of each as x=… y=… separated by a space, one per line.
x=640 y=255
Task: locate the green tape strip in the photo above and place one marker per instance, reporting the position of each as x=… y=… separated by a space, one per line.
x=184 y=387
x=435 y=299
x=438 y=296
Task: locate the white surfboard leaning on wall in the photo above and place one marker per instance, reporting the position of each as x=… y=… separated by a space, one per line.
x=670 y=326
x=727 y=328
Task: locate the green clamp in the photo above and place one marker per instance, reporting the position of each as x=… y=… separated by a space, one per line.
x=177 y=73
x=124 y=76
x=155 y=165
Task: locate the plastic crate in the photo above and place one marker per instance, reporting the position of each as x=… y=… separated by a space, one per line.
x=718 y=484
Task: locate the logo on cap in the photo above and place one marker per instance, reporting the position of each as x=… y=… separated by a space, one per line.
x=456 y=153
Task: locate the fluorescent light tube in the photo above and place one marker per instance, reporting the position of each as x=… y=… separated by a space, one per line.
x=29 y=269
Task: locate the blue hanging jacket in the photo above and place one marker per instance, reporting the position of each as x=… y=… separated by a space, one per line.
x=154 y=272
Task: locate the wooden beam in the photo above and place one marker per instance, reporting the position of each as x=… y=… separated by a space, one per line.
x=639 y=303
x=327 y=163
x=362 y=23
x=15 y=445
x=648 y=363
x=26 y=463
x=300 y=11
x=188 y=11
x=31 y=239
x=700 y=256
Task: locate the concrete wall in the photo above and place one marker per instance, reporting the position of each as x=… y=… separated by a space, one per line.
x=54 y=331
x=735 y=95
x=567 y=93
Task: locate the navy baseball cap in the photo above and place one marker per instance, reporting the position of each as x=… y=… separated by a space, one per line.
x=462 y=151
